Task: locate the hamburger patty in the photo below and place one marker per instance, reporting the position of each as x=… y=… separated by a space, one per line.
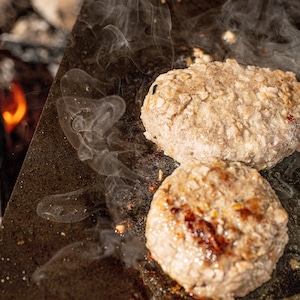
x=224 y=110
x=216 y=228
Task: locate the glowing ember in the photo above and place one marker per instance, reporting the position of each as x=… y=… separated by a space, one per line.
x=15 y=111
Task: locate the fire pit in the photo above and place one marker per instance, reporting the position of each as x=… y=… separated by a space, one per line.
x=74 y=226
x=21 y=104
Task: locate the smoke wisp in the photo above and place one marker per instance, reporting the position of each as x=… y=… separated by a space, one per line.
x=127 y=29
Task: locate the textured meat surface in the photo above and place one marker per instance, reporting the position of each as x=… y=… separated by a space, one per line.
x=224 y=110
x=217 y=228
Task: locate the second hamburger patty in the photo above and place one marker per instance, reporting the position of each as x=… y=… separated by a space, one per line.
x=217 y=228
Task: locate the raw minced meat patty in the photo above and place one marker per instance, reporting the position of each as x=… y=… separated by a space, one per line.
x=224 y=110
x=217 y=228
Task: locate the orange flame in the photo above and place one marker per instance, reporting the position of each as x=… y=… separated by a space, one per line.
x=16 y=111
